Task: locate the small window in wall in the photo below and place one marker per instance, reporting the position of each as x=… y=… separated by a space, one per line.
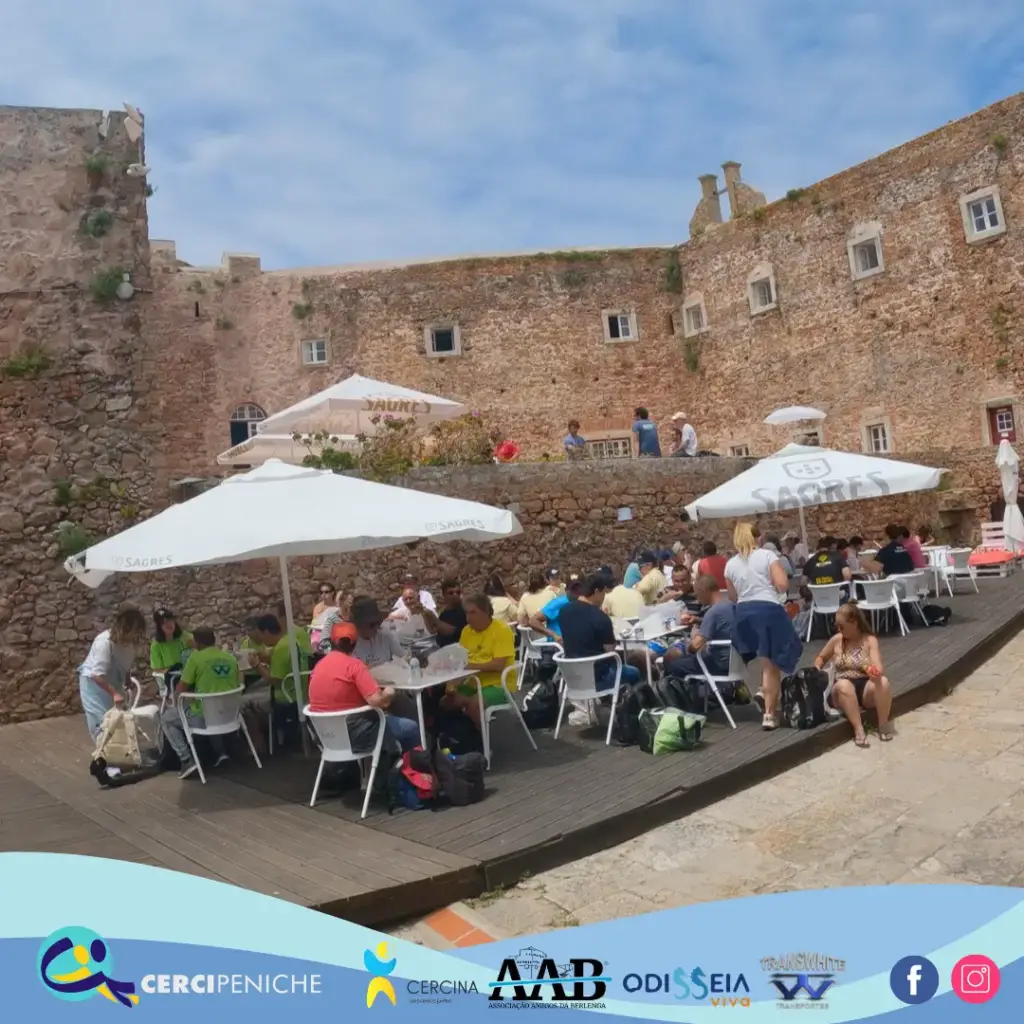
x=878 y=439
x=695 y=316
x=442 y=340
x=1001 y=421
x=314 y=353
x=811 y=438
x=740 y=451
x=619 y=326
x=761 y=291
x=243 y=422
x=982 y=214
x=610 y=448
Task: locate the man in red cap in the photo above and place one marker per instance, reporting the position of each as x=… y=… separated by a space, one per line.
x=340 y=682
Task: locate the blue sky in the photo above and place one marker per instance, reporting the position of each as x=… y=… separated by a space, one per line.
x=324 y=132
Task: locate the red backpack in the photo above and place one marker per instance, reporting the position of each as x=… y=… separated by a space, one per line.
x=412 y=782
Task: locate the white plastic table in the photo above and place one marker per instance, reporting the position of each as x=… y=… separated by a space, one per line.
x=396 y=674
x=649 y=634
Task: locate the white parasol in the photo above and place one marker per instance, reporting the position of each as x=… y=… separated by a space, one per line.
x=1009 y=474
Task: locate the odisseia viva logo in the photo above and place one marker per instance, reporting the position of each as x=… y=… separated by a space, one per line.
x=377 y=963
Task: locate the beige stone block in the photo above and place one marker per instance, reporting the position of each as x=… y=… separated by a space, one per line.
x=959 y=804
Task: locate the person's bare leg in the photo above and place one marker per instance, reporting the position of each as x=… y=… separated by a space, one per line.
x=878 y=695
x=844 y=696
x=771 y=686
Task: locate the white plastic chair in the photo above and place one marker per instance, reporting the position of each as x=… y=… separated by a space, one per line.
x=509 y=706
x=825 y=600
x=881 y=596
x=580 y=686
x=331 y=728
x=287 y=688
x=938 y=562
x=533 y=646
x=960 y=568
x=911 y=590
x=737 y=673
x=132 y=693
x=222 y=715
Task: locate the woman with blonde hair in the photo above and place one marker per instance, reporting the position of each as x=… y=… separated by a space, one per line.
x=757 y=583
x=859 y=682
x=103 y=674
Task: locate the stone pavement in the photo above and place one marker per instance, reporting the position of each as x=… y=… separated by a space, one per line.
x=943 y=802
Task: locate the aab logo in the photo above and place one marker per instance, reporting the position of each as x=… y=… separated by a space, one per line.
x=533 y=977
x=76 y=964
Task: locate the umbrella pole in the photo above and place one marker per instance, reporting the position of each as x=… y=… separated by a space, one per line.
x=293 y=649
x=803 y=527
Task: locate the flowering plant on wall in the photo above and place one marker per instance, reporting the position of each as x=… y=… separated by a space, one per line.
x=468 y=440
x=507 y=451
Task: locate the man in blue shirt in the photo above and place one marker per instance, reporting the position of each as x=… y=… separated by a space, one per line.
x=546 y=620
x=646 y=434
x=575 y=446
x=716 y=624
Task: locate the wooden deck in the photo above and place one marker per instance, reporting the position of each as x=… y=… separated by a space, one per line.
x=573 y=797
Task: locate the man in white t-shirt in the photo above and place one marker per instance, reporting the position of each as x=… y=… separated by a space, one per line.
x=401 y=610
x=686 y=435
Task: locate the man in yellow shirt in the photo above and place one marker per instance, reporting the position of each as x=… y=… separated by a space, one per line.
x=622 y=602
x=208 y=670
x=492 y=648
x=652 y=579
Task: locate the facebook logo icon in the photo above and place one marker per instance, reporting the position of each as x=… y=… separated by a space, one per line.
x=914 y=979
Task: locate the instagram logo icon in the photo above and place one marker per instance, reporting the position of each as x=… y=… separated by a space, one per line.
x=975 y=979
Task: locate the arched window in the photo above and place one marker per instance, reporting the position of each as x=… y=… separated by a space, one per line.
x=243 y=422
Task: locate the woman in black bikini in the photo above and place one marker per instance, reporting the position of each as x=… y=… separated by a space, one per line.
x=859 y=681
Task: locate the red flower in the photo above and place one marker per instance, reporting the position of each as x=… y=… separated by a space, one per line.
x=506 y=451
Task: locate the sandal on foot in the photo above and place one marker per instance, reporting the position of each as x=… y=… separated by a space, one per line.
x=861 y=740
x=886 y=732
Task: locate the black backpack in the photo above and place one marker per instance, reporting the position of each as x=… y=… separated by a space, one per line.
x=632 y=700
x=540 y=705
x=683 y=694
x=460 y=777
x=936 y=614
x=803 y=698
x=456 y=732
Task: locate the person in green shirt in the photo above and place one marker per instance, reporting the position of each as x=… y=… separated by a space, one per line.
x=171 y=644
x=279 y=665
x=208 y=670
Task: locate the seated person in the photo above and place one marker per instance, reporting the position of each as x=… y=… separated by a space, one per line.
x=859 y=680
x=711 y=563
x=411 y=582
x=802 y=617
x=171 y=644
x=538 y=593
x=826 y=565
x=795 y=550
x=716 y=624
x=892 y=559
x=587 y=631
x=375 y=646
x=208 y=670
x=621 y=601
x=300 y=633
x=913 y=546
x=447 y=625
x=546 y=620
x=340 y=612
x=340 y=682
x=652 y=579
x=681 y=588
x=772 y=543
x=278 y=665
x=492 y=648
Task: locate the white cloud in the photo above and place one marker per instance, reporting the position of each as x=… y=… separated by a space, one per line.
x=320 y=132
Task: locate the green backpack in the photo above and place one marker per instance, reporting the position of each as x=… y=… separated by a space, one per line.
x=668 y=730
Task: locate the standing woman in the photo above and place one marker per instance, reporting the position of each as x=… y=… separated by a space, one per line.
x=101 y=677
x=170 y=645
x=757 y=583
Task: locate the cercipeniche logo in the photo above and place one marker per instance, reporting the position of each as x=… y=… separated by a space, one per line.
x=76 y=964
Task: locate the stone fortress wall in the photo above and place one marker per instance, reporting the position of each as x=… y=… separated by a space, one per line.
x=97 y=430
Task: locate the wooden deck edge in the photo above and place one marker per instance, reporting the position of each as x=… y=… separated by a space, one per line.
x=573 y=845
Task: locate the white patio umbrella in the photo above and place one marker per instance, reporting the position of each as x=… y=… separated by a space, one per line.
x=793 y=414
x=799 y=477
x=349 y=406
x=1009 y=474
x=265 y=514
x=260 y=447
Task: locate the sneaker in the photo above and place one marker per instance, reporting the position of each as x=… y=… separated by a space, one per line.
x=189 y=769
x=768 y=723
x=222 y=759
x=579 y=718
x=759 y=700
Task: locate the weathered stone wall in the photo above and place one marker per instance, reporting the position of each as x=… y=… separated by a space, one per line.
x=925 y=344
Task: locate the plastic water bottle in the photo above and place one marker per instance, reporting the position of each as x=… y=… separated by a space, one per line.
x=415 y=670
